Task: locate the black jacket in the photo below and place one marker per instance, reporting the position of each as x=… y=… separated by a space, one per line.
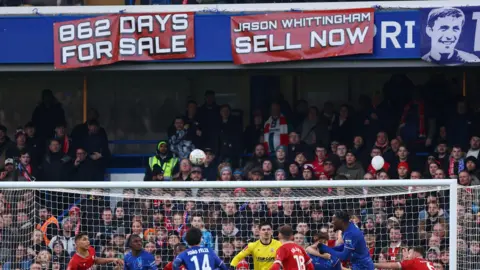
x=85 y=171
x=56 y=167
x=46 y=119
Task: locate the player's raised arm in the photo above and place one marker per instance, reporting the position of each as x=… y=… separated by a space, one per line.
x=108 y=260
x=177 y=263
x=341 y=221
x=388 y=265
x=219 y=264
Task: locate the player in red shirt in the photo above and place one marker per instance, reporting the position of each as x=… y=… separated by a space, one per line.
x=179 y=248
x=412 y=260
x=290 y=255
x=85 y=258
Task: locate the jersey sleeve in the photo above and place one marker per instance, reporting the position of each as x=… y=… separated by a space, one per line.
x=342 y=255
x=350 y=240
x=218 y=262
x=168 y=266
x=280 y=256
x=177 y=262
x=151 y=263
x=407 y=264
x=308 y=260
x=242 y=254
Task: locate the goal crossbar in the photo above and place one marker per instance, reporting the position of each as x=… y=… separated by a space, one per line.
x=229 y=184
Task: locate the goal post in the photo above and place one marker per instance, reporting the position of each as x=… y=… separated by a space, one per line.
x=388 y=211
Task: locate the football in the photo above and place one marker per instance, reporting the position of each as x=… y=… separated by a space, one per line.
x=197 y=157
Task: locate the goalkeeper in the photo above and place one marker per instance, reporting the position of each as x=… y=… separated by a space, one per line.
x=263 y=250
x=354 y=248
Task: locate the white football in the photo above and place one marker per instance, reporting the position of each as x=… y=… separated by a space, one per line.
x=197 y=157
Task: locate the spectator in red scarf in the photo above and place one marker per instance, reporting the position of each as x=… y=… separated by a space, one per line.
x=75 y=216
x=417 y=126
x=26 y=170
x=395 y=243
x=456 y=163
x=382 y=142
x=62 y=137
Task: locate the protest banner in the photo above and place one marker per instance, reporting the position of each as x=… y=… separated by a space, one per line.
x=290 y=36
x=123 y=37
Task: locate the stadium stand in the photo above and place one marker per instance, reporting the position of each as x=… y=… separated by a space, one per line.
x=417 y=138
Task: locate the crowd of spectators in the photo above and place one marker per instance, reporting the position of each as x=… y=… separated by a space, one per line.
x=417 y=134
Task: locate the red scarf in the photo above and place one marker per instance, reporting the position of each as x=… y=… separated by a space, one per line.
x=392 y=254
x=66 y=144
x=421 y=116
x=451 y=166
x=383 y=147
x=27 y=172
x=76 y=211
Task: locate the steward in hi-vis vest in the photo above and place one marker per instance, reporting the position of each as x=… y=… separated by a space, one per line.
x=165 y=160
x=49 y=224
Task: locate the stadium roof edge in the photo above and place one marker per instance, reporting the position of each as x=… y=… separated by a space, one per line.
x=226 y=8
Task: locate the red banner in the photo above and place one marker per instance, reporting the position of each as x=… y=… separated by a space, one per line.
x=290 y=36
x=123 y=37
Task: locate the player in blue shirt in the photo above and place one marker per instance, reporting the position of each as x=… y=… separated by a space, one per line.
x=354 y=247
x=323 y=261
x=138 y=258
x=196 y=257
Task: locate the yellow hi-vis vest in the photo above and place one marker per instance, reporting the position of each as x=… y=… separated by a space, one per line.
x=167 y=166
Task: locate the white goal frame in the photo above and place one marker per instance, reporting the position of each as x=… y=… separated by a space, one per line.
x=451 y=183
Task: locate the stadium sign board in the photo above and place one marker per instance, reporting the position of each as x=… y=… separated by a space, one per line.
x=31 y=38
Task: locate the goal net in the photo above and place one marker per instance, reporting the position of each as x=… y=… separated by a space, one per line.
x=38 y=224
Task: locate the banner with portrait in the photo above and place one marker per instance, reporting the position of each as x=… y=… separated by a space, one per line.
x=450 y=36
